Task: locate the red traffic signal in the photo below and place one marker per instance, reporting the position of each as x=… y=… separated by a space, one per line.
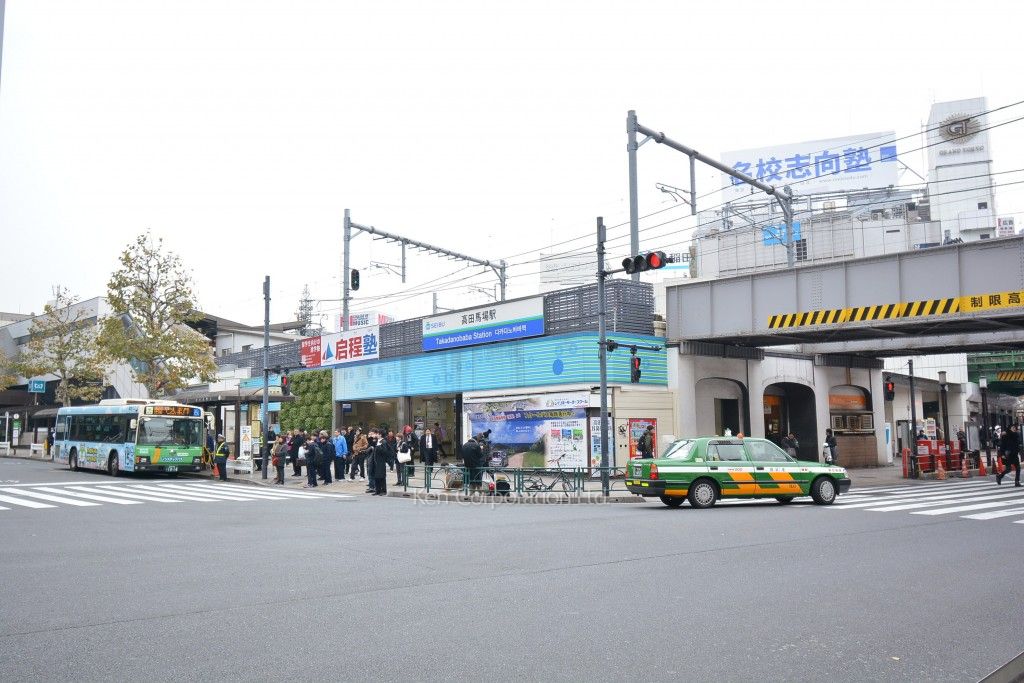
x=890 y=390
x=286 y=390
x=642 y=262
x=634 y=369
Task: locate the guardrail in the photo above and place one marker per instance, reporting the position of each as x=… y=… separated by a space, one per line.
x=511 y=481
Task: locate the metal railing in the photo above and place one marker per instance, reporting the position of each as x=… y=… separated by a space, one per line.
x=511 y=481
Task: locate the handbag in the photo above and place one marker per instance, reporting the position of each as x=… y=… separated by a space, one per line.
x=405 y=457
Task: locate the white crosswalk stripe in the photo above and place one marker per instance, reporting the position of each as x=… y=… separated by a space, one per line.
x=964 y=499
x=120 y=493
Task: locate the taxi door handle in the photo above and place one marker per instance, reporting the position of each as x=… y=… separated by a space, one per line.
x=758 y=468
x=714 y=467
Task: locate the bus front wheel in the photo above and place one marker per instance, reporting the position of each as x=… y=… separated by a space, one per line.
x=113 y=466
x=73 y=460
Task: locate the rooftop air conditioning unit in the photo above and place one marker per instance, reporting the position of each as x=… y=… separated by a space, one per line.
x=830 y=206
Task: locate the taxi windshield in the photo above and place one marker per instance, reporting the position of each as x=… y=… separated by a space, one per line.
x=170 y=431
x=679 y=450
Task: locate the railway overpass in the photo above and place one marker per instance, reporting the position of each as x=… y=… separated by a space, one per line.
x=800 y=349
x=969 y=296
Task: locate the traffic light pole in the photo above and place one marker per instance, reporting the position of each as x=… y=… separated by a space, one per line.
x=265 y=421
x=602 y=333
x=783 y=195
x=347 y=241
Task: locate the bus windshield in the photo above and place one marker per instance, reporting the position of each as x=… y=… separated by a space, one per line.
x=170 y=431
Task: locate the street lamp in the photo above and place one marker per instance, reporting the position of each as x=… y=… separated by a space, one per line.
x=943 y=389
x=983 y=384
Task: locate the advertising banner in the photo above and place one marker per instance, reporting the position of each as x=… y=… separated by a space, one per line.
x=351 y=346
x=637 y=427
x=499 y=322
x=368 y=319
x=595 y=444
x=833 y=165
x=538 y=431
x=1005 y=227
x=309 y=352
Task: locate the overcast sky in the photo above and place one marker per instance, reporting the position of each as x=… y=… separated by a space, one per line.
x=239 y=131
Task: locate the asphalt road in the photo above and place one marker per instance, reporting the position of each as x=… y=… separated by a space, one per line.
x=393 y=589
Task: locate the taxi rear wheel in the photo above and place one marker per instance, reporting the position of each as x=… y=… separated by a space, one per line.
x=823 y=491
x=703 y=494
x=673 y=501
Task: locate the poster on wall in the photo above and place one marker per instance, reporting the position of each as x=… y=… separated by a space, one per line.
x=637 y=427
x=309 y=352
x=246 y=440
x=548 y=430
x=595 y=445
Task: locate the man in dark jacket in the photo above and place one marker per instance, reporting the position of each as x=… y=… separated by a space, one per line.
x=313 y=460
x=380 y=454
x=1009 y=446
x=472 y=456
x=293 y=452
x=327 y=453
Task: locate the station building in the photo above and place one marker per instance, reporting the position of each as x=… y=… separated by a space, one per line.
x=525 y=369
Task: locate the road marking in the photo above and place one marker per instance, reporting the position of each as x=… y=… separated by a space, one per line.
x=153 y=489
x=53 y=499
x=945 y=500
x=114 y=491
x=965 y=508
x=915 y=497
x=88 y=496
x=228 y=495
x=276 y=492
x=996 y=514
x=24 y=503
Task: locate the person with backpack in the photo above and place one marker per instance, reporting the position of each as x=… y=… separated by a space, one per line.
x=646 y=443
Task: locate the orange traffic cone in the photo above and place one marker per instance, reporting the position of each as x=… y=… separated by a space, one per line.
x=940 y=470
x=216 y=472
x=999 y=465
x=964 y=472
x=982 y=470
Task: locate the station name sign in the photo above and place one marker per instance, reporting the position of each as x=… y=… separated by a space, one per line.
x=499 y=322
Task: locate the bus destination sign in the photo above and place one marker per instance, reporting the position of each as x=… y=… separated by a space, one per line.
x=174 y=411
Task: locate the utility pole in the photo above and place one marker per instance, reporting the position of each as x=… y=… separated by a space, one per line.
x=346 y=241
x=783 y=195
x=265 y=421
x=602 y=341
x=913 y=420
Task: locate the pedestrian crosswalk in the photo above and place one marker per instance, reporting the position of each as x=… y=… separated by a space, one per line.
x=977 y=499
x=90 y=494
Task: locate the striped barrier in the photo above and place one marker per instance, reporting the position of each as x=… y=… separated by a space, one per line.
x=973 y=303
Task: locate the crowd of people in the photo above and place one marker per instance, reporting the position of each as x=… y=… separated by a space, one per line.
x=364 y=453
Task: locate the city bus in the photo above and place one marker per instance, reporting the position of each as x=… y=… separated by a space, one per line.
x=131 y=435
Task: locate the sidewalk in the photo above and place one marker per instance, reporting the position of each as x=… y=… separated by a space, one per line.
x=863 y=478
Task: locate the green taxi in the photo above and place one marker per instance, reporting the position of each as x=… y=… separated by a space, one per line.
x=705 y=469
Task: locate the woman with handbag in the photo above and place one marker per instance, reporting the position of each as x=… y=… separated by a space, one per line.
x=277 y=454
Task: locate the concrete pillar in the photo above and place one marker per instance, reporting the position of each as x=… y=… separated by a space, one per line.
x=686 y=396
x=755 y=397
x=875 y=377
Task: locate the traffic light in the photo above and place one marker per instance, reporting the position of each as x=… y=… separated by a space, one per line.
x=650 y=261
x=890 y=389
x=353 y=279
x=634 y=369
x=611 y=344
x=285 y=389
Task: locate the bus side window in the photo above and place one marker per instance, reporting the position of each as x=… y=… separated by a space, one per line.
x=73 y=422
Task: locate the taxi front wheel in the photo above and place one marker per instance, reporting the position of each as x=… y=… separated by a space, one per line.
x=702 y=494
x=672 y=501
x=823 y=491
